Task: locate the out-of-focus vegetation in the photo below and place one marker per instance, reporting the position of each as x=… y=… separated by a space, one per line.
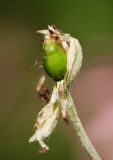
x=89 y=21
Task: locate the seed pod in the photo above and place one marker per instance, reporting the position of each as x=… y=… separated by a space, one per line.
x=54 y=59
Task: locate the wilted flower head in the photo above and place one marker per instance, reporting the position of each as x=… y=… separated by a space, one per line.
x=59 y=101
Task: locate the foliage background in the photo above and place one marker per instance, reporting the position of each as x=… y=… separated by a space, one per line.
x=89 y=21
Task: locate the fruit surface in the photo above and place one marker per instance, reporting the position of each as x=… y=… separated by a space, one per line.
x=54 y=60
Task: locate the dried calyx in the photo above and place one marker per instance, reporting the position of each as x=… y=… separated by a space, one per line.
x=48 y=117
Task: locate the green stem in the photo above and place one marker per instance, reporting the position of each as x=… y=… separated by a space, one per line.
x=72 y=112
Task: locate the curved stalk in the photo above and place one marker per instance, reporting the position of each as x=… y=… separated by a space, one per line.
x=72 y=112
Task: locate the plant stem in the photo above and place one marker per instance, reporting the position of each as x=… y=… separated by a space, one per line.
x=72 y=112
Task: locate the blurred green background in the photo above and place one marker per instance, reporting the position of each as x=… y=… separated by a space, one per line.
x=20 y=46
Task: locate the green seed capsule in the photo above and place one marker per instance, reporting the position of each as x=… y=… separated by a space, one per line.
x=55 y=60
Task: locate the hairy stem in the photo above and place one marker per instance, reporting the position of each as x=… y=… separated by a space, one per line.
x=72 y=112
